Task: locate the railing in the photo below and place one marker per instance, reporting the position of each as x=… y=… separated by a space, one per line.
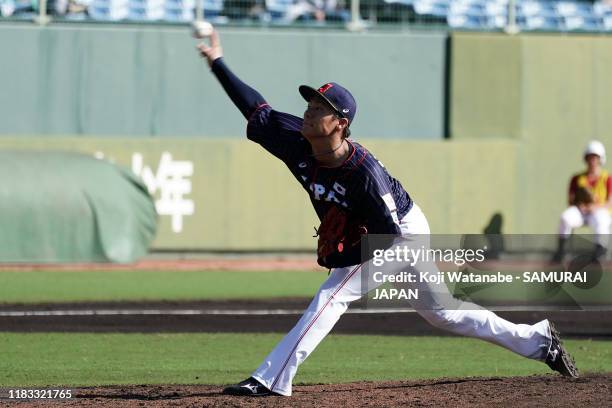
x=511 y=16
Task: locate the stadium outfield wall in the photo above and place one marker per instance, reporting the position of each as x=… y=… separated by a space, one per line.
x=520 y=111
x=149 y=81
x=224 y=194
x=549 y=93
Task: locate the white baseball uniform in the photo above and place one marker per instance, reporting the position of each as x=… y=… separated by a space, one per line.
x=599 y=220
x=344 y=285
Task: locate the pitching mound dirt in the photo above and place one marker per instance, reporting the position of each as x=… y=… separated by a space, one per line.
x=592 y=390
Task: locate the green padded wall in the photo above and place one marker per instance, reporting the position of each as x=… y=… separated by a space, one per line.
x=100 y=80
x=485 y=86
x=550 y=93
x=245 y=199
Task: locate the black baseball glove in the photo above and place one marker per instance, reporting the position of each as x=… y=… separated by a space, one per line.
x=583 y=196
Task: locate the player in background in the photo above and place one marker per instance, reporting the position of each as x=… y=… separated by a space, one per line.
x=590 y=200
x=345 y=182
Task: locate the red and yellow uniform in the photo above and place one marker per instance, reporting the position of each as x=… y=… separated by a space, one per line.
x=600 y=187
x=588 y=203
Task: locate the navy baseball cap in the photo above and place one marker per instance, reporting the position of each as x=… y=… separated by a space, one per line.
x=338 y=98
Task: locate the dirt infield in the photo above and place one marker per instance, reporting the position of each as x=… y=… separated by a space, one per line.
x=593 y=390
x=206 y=264
x=268 y=262
x=270 y=315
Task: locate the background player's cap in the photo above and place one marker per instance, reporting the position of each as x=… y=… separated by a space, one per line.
x=338 y=97
x=596 y=147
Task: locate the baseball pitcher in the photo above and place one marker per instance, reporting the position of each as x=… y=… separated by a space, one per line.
x=353 y=194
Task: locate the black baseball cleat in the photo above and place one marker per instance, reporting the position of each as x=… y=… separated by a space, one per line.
x=558 y=358
x=249 y=387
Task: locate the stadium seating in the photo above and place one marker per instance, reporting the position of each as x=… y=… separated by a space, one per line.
x=531 y=15
x=184 y=10
x=146 y=10
x=151 y=10
x=437 y=8
x=108 y=10
x=278 y=8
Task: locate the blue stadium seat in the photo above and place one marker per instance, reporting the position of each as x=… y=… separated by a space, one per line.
x=284 y=12
x=602 y=9
x=494 y=8
x=580 y=23
x=278 y=8
x=181 y=3
x=146 y=10
x=213 y=7
x=465 y=7
x=497 y=21
x=529 y=8
x=438 y=8
x=179 y=10
x=532 y=8
x=467 y=21
x=184 y=10
x=108 y=10
x=497 y=14
x=571 y=8
x=542 y=22
x=548 y=9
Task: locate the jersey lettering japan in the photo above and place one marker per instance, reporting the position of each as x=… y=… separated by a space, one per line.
x=361 y=186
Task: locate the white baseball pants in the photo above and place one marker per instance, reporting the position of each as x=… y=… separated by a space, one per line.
x=599 y=220
x=344 y=285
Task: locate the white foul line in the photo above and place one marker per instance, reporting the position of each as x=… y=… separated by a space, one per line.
x=244 y=312
x=180 y=312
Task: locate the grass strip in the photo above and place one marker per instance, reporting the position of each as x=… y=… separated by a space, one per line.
x=42 y=359
x=73 y=286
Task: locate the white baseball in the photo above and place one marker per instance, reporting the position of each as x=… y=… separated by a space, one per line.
x=202 y=29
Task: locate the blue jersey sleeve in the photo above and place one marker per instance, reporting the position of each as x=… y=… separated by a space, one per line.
x=244 y=97
x=277 y=132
